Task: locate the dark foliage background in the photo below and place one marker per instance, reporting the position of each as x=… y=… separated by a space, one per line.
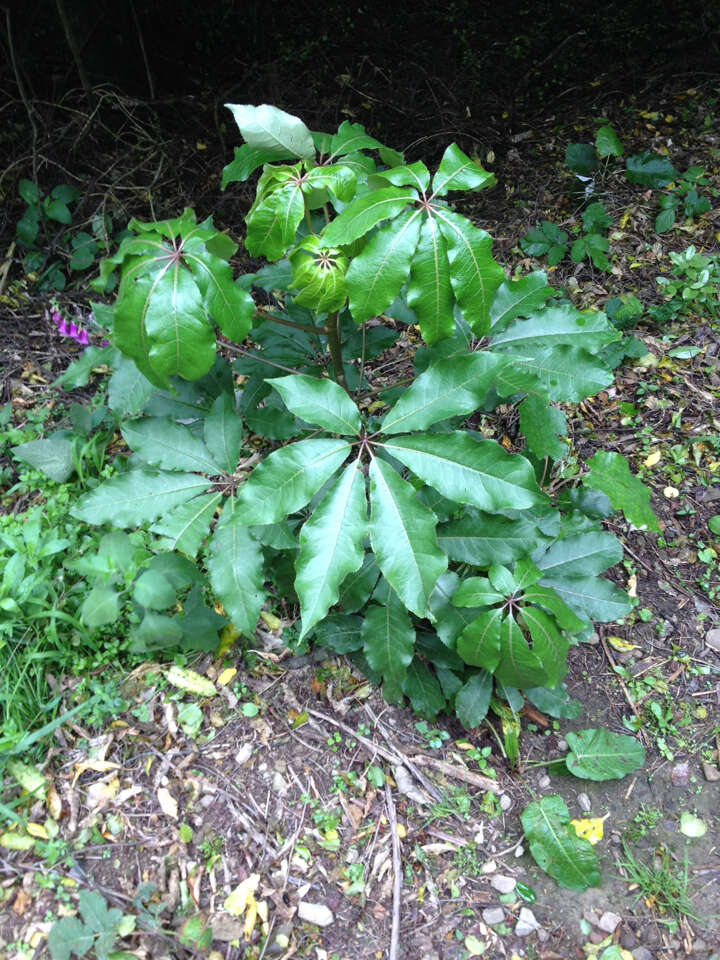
x=409 y=68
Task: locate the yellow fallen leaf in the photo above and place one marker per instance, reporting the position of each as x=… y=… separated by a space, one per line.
x=99 y=793
x=168 y=803
x=226 y=676
x=97 y=766
x=590 y=828
x=623 y=646
x=632 y=585
x=199 y=145
x=250 y=916
x=238 y=899
x=53 y=802
x=273 y=622
x=652 y=459
x=16 y=841
x=401 y=831
x=190 y=682
x=228 y=635
x=624 y=219
x=37 y=830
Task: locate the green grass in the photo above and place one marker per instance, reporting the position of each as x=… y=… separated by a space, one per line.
x=662 y=883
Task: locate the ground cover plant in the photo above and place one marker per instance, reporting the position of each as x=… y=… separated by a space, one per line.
x=192 y=714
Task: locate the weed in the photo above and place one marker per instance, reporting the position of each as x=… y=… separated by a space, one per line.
x=662 y=883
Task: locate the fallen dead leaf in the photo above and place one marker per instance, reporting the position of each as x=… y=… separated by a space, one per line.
x=168 y=803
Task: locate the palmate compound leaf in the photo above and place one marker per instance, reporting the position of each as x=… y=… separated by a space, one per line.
x=273 y=131
x=479 y=643
x=472 y=701
x=543 y=426
x=556 y=323
x=402 y=533
x=331 y=546
x=288 y=479
x=480 y=473
x=320 y=402
x=182 y=342
x=186 y=526
x=359 y=217
x=548 y=644
x=458 y=172
x=449 y=388
x=563 y=373
x=236 y=569
x=223 y=432
x=518 y=298
x=429 y=293
x=422 y=689
x=137 y=497
x=272 y=223
x=610 y=473
x=388 y=641
x=474 y=274
x=483 y=538
x=556 y=848
x=230 y=307
x=378 y=272
x=519 y=665
x=162 y=442
x=603 y=755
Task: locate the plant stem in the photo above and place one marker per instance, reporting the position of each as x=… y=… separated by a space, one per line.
x=318 y=331
x=253 y=356
x=308 y=221
x=333 y=336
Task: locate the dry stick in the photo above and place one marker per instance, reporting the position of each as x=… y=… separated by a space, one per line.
x=29 y=108
x=74 y=48
x=397 y=875
x=151 y=85
x=392 y=756
x=6 y=267
x=460 y=773
x=620 y=680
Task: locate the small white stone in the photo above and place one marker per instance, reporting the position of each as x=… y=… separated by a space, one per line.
x=526 y=924
x=489 y=867
x=712 y=639
x=562 y=746
x=505 y=802
x=608 y=921
x=493 y=915
x=519 y=851
x=544 y=782
x=316 y=913
x=503 y=884
x=584 y=802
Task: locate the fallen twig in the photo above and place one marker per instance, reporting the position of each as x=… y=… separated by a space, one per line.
x=459 y=773
x=397 y=875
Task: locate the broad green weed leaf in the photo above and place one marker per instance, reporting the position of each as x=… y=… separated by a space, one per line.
x=68 y=936
x=320 y=402
x=591 y=597
x=137 y=497
x=246 y=160
x=555 y=702
x=579 y=555
x=162 y=442
x=271 y=130
x=402 y=532
x=603 y=755
x=474 y=275
x=610 y=473
x=556 y=848
x=650 y=170
x=388 y=642
x=101 y=606
x=236 y=569
x=288 y=479
x=331 y=546
x=52 y=455
x=469 y=471
x=458 y=172
x=607 y=143
x=449 y=388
